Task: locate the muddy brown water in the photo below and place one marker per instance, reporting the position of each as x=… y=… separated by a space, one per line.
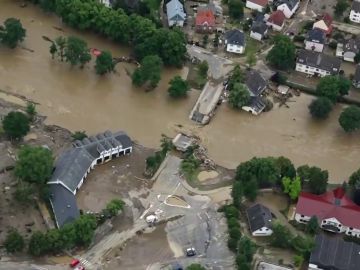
x=80 y=100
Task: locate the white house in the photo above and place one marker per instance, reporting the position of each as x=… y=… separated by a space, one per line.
x=259 y=218
x=289 y=7
x=256 y=85
x=258 y=30
x=348 y=49
x=175 y=13
x=315 y=63
x=315 y=40
x=276 y=20
x=355 y=12
x=333 y=210
x=107 y=3
x=258 y=5
x=235 y=41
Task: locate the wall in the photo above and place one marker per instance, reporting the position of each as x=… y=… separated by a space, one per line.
x=254 y=6
x=234 y=48
x=354 y=17
x=264 y=231
x=256 y=36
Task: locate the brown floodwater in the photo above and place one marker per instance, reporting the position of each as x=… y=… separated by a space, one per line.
x=80 y=100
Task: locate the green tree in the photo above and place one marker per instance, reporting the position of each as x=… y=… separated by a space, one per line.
x=344 y=85
x=38 y=244
x=318 y=180
x=31 y=110
x=234 y=233
x=12 y=33
x=231 y=212
x=14 y=242
x=60 y=45
x=48 y=5
x=79 y=135
x=84 y=229
x=205 y=40
x=340 y=7
x=303 y=172
x=312 y=226
x=286 y=167
x=332 y=87
x=242 y=263
x=16 y=125
x=24 y=192
x=247 y=248
x=239 y=96
x=282 y=54
x=54 y=240
x=350 y=118
x=178 y=87
x=237 y=193
x=76 y=52
x=298 y=260
x=114 y=206
x=292 y=187
x=34 y=164
x=320 y=107
x=251 y=189
x=203 y=68
x=354 y=179
x=104 y=63
x=149 y=71
x=236 y=9
x=195 y=266
x=237 y=76
x=233 y=222
x=251 y=59
x=281 y=236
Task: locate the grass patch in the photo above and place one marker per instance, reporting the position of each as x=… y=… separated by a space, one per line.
x=252 y=46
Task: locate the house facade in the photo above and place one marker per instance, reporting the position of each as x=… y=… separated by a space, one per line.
x=276 y=20
x=315 y=40
x=315 y=63
x=235 y=41
x=356 y=79
x=205 y=21
x=73 y=166
x=355 y=12
x=259 y=218
x=288 y=7
x=175 y=13
x=335 y=212
x=258 y=5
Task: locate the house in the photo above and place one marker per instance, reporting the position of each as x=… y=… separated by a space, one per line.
x=256 y=85
x=315 y=40
x=288 y=7
x=259 y=28
x=276 y=20
x=325 y=23
x=182 y=142
x=315 y=63
x=355 y=12
x=333 y=209
x=107 y=3
x=175 y=13
x=356 y=79
x=235 y=41
x=259 y=218
x=258 y=5
x=216 y=9
x=334 y=253
x=205 y=21
x=73 y=165
x=348 y=49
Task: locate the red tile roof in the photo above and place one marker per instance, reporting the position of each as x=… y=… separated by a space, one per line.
x=333 y=204
x=262 y=3
x=327 y=19
x=277 y=18
x=205 y=17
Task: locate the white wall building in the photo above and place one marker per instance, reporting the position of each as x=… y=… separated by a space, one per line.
x=315 y=40
x=235 y=41
x=355 y=12
x=288 y=7
x=258 y=5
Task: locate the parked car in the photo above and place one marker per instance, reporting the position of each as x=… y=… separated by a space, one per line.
x=74 y=262
x=190 y=252
x=79 y=267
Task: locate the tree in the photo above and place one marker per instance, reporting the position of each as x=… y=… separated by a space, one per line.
x=298 y=260
x=236 y=9
x=79 y=135
x=320 y=107
x=34 y=164
x=237 y=76
x=48 y=5
x=84 y=229
x=16 y=125
x=340 y=7
x=246 y=248
x=350 y=118
x=237 y=193
x=205 y=40
x=303 y=172
x=318 y=180
x=282 y=54
x=58 y=47
x=312 y=226
x=76 y=52
x=195 y=266
x=24 y=192
x=332 y=87
x=251 y=189
x=281 y=236
x=239 y=96
x=38 y=244
x=286 y=167
x=231 y=212
x=292 y=187
x=12 y=33
x=344 y=85
x=149 y=71
x=203 y=68
x=104 y=63
x=14 y=242
x=178 y=87
x=114 y=206
x=242 y=263
x=31 y=110
x=354 y=180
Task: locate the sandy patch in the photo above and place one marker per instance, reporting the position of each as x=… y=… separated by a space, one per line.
x=176 y=201
x=206 y=175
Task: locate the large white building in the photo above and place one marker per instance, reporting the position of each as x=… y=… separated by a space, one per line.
x=288 y=7
x=355 y=12
x=258 y=5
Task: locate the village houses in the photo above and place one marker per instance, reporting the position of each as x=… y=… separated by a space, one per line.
x=315 y=40
x=259 y=218
x=276 y=20
x=348 y=49
x=205 y=21
x=288 y=7
x=258 y=5
x=235 y=41
x=258 y=28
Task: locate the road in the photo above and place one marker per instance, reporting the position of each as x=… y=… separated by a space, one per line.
x=29 y=266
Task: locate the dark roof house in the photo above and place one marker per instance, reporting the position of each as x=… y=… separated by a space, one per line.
x=235 y=37
x=334 y=253
x=259 y=27
x=316 y=35
x=255 y=83
x=355 y=6
x=318 y=60
x=258 y=217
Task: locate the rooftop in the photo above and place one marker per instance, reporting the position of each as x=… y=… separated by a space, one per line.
x=205 y=16
x=262 y=3
x=175 y=9
x=259 y=27
x=319 y=60
x=277 y=18
x=235 y=36
x=357 y=73
x=290 y=3
x=355 y=6
x=258 y=216
x=255 y=82
x=316 y=35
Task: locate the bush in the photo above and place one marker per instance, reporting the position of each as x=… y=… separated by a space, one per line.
x=16 y=125
x=333 y=45
x=114 y=206
x=14 y=242
x=299 y=38
x=350 y=119
x=79 y=135
x=231 y=212
x=298 y=260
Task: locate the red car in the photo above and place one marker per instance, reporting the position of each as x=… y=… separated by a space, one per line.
x=74 y=262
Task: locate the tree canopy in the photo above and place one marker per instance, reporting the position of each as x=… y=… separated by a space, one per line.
x=34 y=164
x=76 y=51
x=12 y=32
x=332 y=87
x=237 y=76
x=320 y=107
x=282 y=54
x=312 y=226
x=178 y=87
x=292 y=187
x=239 y=96
x=340 y=7
x=104 y=63
x=16 y=125
x=350 y=118
x=14 y=242
x=354 y=179
x=149 y=71
x=114 y=206
x=236 y=9
x=317 y=179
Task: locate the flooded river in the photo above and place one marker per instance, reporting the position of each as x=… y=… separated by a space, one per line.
x=80 y=100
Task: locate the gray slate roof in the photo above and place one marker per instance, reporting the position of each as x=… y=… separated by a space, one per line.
x=255 y=82
x=352 y=45
x=64 y=205
x=175 y=10
x=259 y=27
x=319 y=60
x=258 y=216
x=235 y=37
x=290 y=3
x=334 y=253
x=355 y=6
x=316 y=35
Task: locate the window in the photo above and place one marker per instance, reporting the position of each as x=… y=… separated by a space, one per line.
x=127 y=151
x=106 y=158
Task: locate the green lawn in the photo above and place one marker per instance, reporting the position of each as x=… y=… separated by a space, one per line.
x=252 y=46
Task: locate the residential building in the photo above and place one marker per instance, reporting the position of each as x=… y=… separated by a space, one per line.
x=315 y=63
x=182 y=142
x=205 y=21
x=259 y=28
x=315 y=40
x=258 y=5
x=107 y=3
x=288 y=7
x=333 y=209
x=324 y=23
x=175 y=13
x=276 y=20
x=256 y=85
x=73 y=165
x=235 y=41
x=333 y=253
x=348 y=49
x=259 y=218
x=355 y=12
x=216 y=9
x=356 y=79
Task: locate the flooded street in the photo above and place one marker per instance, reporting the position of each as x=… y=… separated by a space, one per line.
x=80 y=100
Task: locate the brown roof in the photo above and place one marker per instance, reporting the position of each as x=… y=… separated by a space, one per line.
x=277 y=18
x=205 y=17
x=262 y=3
